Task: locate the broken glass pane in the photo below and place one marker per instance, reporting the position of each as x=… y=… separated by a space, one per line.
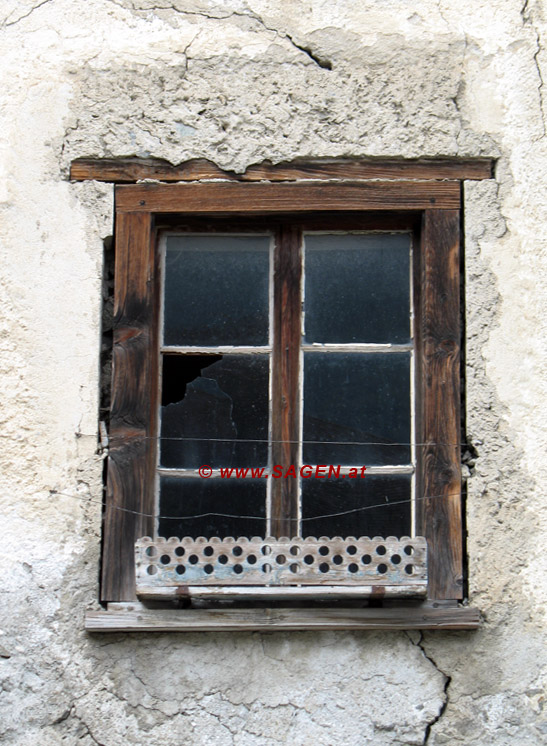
x=357 y=398
x=357 y=288
x=214 y=410
x=216 y=290
x=380 y=505
x=239 y=498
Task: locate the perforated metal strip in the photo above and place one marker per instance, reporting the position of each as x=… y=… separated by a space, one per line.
x=377 y=562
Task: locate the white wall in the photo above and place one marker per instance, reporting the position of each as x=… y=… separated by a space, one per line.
x=231 y=82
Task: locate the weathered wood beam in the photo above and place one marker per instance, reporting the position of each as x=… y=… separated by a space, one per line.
x=133 y=423
x=439 y=519
x=226 y=198
x=130 y=170
x=224 y=620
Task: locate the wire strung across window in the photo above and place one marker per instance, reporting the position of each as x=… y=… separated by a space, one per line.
x=265 y=440
x=254 y=517
x=257 y=440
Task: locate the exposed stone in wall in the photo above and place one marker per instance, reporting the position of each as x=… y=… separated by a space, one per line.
x=239 y=82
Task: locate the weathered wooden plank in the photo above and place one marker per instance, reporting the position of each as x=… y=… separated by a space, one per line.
x=438 y=344
x=285 y=384
x=263 y=620
x=374 y=169
x=134 y=405
x=127 y=170
x=297 y=198
x=288 y=593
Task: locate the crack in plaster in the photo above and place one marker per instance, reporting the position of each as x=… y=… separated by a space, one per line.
x=321 y=62
x=447 y=681
x=186 y=49
x=64 y=716
x=26 y=15
x=222 y=725
x=71 y=713
x=460 y=89
x=440 y=9
x=89 y=733
x=201 y=706
x=251 y=708
x=527 y=21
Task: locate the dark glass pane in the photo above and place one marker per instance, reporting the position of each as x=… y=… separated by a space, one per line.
x=214 y=403
x=355 y=397
x=327 y=496
x=216 y=290
x=195 y=496
x=357 y=288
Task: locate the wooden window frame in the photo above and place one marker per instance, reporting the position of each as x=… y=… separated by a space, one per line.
x=141 y=210
x=133 y=427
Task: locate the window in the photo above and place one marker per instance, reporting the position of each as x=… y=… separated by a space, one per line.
x=286 y=366
x=282 y=325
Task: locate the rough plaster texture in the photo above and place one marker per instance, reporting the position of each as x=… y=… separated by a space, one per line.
x=237 y=83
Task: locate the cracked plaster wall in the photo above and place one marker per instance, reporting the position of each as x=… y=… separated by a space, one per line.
x=237 y=83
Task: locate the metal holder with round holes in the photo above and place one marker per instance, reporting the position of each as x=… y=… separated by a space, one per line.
x=286 y=567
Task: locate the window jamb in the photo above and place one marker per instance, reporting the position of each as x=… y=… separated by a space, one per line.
x=137 y=304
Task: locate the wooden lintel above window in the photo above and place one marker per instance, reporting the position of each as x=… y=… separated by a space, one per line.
x=131 y=170
x=297 y=198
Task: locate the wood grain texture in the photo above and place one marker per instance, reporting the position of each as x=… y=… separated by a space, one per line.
x=134 y=405
x=438 y=402
x=127 y=170
x=224 y=620
x=224 y=198
x=288 y=593
x=285 y=385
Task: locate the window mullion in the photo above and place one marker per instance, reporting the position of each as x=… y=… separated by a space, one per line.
x=285 y=389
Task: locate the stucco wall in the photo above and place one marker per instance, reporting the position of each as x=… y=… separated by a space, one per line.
x=238 y=83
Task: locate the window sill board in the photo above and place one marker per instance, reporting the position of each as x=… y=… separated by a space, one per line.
x=280 y=593
x=134 y=619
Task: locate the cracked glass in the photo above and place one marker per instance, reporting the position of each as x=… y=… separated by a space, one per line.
x=214 y=411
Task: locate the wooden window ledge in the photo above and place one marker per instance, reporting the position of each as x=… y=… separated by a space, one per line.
x=134 y=618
